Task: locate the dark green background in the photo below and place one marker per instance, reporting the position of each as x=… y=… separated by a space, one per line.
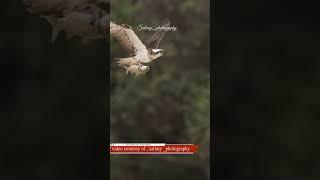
x=171 y=103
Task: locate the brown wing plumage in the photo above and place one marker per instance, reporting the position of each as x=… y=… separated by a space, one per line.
x=154 y=41
x=126 y=37
x=55 y=6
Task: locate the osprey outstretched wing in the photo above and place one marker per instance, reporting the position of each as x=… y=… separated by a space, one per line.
x=154 y=41
x=127 y=38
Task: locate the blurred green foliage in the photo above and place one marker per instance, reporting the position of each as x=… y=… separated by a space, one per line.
x=171 y=102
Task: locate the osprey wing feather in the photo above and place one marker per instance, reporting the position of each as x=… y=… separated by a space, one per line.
x=126 y=37
x=154 y=41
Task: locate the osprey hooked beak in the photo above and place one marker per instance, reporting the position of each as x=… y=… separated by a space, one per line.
x=158 y=51
x=155 y=53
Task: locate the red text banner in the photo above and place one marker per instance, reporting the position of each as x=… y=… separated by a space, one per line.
x=152 y=148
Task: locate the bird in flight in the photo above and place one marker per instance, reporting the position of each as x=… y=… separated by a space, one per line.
x=87 y=19
x=139 y=53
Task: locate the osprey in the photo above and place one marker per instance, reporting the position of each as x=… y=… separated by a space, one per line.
x=139 y=53
x=84 y=18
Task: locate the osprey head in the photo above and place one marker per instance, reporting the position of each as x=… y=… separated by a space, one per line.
x=155 y=53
